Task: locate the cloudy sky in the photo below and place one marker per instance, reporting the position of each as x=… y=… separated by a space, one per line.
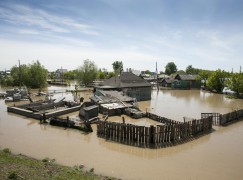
x=206 y=34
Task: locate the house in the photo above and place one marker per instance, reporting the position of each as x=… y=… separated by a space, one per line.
x=186 y=81
x=166 y=82
x=130 y=85
x=60 y=73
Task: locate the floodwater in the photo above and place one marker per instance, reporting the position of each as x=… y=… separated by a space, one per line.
x=217 y=155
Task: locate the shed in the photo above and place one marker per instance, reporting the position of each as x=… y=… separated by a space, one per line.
x=89 y=112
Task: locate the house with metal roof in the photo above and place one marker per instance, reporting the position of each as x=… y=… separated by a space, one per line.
x=130 y=84
x=186 y=81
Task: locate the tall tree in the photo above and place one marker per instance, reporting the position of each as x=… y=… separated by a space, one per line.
x=87 y=73
x=170 y=68
x=117 y=66
x=216 y=80
x=37 y=75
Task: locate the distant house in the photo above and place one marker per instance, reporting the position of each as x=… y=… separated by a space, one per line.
x=60 y=73
x=186 y=81
x=130 y=84
x=166 y=82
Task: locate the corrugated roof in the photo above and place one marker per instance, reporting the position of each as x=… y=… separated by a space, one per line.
x=126 y=79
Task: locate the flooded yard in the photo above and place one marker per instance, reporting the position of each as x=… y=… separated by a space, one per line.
x=217 y=155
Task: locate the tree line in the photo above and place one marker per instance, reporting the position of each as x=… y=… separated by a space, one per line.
x=35 y=75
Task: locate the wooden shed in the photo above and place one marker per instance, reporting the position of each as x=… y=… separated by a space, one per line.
x=89 y=112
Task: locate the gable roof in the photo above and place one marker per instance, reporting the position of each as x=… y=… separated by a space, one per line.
x=169 y=80
x=186 y=77
x=126 y=79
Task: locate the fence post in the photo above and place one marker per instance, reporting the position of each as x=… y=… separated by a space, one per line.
x=151 y=134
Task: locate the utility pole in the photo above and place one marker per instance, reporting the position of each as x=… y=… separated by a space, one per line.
x=20 y=79
x=240 y=69
x=157 y=76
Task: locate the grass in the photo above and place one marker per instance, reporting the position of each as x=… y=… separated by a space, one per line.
x=22 y=167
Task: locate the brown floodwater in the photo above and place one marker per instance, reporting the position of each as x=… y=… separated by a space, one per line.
x=217 y=155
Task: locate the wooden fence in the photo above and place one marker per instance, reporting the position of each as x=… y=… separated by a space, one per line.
x=216 y=117
x=154 y=136
x=161 y=119
x=224 y=119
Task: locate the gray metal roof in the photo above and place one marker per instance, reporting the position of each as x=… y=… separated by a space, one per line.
x=126 y=79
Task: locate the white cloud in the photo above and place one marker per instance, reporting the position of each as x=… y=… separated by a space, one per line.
x=40 y=19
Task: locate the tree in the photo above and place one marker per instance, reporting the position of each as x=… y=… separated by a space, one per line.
x=216 y=80
x=203 y=75
x=37 y=75
x=33 y=75
x=101 y=74
x=87 y=73
x=170 y=68
x=148 y=72
x=70 y=75
x=117 y=66
x=191 y=70
x=235 y=83
x=180 y=72
x=111 y=74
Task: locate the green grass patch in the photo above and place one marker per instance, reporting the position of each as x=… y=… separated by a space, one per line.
x=22 y=167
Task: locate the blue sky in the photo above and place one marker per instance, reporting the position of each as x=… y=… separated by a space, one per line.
x=206 y=34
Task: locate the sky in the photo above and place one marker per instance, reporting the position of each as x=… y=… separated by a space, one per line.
x=207 y=34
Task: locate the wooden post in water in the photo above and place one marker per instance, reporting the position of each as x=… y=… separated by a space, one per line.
x=123 y=119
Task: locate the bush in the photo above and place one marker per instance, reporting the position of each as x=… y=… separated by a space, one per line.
x=45 y=160
x=12 y=175
x=7 y=150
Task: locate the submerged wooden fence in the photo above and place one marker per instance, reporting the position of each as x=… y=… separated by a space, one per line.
x=224 y=119
x=154 y=136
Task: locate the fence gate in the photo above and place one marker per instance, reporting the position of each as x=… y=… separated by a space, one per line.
x=216 y=117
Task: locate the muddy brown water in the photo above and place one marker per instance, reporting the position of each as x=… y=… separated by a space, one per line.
x=217 y=155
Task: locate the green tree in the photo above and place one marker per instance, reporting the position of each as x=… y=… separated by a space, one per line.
x=216 y=80
x=37 y=76
x=170 y=68
x=70 y=75
x=111 y=74
x=235 y=83
x=180 y=72
x=87 y=73
x=148 y=72
x=203 y=75
x=32 y=76
x=117 y=67
x=101 y=74
x=191 y=70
